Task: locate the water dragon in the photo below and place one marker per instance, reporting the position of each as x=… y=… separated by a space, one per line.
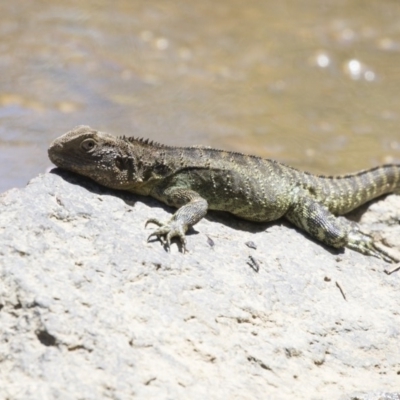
x=197 y=179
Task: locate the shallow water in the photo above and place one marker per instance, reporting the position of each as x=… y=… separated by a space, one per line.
x=314 y=84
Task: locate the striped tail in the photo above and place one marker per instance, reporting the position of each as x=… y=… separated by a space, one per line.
x=342 y=194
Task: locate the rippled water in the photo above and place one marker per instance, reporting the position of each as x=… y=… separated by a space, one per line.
x=315 y=84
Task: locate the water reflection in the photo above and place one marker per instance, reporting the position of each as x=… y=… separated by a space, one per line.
x=313 y=84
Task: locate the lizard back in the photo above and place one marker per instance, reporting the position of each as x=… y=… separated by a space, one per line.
x=258 y=189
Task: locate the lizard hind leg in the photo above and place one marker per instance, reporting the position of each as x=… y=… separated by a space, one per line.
x=314 y=218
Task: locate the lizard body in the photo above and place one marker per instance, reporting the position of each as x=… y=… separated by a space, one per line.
x=195 y=179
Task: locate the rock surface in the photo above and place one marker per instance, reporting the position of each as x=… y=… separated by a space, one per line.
x=90 y=310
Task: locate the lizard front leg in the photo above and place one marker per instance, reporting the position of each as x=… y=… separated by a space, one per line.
x=313 y=217
x=191 y=209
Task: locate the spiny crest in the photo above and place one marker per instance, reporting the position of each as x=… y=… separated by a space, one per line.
x=212 y=150
x=131 y=139
x=148 y=142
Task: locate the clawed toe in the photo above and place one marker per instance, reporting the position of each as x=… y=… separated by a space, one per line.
x=153 y=221
x=166 y=232
x=366 y=245
x=156 y=235
x=382 y=253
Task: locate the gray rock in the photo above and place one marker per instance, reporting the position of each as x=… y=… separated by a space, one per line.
x=373 y=396
x=90 y=310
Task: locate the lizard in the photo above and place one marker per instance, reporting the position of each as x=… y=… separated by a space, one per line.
x=196 y=179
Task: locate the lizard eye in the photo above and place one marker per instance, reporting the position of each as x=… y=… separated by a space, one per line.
x=88 y=144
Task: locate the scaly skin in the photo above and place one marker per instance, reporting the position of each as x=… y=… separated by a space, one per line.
x=195 y=179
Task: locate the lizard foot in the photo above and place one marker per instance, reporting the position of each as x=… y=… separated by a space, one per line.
x=166 y=231
x=365 y=244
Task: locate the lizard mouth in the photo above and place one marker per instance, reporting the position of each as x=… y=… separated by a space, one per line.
x=54 y=157
x=62 y=159
x=54 y=153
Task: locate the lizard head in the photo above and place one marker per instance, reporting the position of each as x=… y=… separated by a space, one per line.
x=102 y=157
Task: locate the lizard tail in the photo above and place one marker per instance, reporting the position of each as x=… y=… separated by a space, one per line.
x=344 y=193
